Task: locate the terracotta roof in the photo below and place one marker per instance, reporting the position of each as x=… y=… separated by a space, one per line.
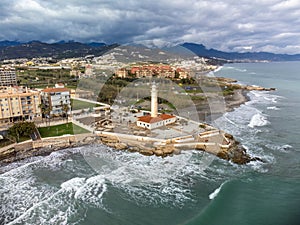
x=149 y=119
x=166 y=116
x=55 y=90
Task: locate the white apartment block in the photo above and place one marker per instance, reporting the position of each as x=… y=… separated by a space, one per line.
x=56 y=98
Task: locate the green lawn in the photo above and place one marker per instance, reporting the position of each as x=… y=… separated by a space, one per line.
x=62 y=129
x=77 y=104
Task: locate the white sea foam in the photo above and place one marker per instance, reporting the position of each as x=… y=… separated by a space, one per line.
x=57 y=207
x=285 y=147
x=281 y=148
x=273 y=108
x=148 y=180
x=73 y=184
x=218 y=69
x=216 y=192
x=258 y=120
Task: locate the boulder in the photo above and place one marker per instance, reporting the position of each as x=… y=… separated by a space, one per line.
x=7 y=154
x=146 y=152
x=159 y=153
x=121 y=146
x=88 y=140
x=169 y=149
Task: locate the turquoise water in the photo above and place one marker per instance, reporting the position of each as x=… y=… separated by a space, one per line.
x=96 y=185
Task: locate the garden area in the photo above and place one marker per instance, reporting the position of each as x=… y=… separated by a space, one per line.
x=58 y=130
x=77 y=104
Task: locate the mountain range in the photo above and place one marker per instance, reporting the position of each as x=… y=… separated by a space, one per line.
x=201 y=50
x=69 y=49
x=59 y=50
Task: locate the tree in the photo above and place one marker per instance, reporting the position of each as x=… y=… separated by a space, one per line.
x=65 y=109
x=42 y=106
x=21 y=129
x=48 y=110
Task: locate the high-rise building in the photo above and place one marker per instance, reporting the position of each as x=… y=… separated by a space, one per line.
x=8 y=77
x=17 y=103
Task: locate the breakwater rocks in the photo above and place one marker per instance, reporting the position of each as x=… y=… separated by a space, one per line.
x=233 y=152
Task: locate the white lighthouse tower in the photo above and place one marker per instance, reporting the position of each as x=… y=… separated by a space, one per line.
x=154 y=120
x=154 y=101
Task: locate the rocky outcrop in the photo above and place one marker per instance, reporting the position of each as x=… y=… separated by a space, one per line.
x=231 y=83
x=8 y=153
x=235 y=153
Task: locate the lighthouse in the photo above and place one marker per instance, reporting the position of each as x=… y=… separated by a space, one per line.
x=154 y=120
x=154 y=101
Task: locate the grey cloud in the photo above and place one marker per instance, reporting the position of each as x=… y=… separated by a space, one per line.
x=228 y=25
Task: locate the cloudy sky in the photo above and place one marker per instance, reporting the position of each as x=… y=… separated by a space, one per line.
x=229 y=25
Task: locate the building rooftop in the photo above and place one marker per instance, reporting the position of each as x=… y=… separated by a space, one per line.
x=55 y=90
x=150 y=119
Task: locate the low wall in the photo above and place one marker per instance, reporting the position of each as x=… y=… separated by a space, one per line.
x=131 y=137
x=44 y=146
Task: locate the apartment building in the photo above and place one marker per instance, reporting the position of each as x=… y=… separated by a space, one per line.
x=18 y=103
x=56 y=98
x=8 y=76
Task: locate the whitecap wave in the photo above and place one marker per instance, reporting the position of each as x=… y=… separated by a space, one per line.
x=218 y=69
x=273 y=108
x=258 y=120
x=285 y=147
x=263 y=97
x=215 y=192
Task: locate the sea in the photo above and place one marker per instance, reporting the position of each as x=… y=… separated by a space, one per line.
x=94 y=184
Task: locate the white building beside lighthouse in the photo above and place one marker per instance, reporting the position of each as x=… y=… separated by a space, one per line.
x=155 y=120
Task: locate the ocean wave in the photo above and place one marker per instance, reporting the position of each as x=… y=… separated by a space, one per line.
x=218 y=69
x=279 y=147
x=148 y=180
x=61 y=206
x=273 y=108
x=262 y=97
x=216 y=192
x=234 y=68
x=258 y=120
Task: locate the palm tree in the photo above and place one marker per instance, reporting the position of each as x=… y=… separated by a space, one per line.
x=65 y=109
x=42 y=106
x=48 y=110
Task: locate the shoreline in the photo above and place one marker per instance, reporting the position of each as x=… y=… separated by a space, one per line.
x=236 y=100
x=10 y=155
x=239 y=98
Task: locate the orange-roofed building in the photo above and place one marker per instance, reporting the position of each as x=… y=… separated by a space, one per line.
x=150 y=122
x=183 y=74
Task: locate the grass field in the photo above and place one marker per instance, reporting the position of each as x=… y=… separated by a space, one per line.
x=62 y=129
x=77 y=104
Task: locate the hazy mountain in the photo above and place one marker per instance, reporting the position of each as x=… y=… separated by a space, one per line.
x=202 y=51
x=9 y=43
x=130 y=53
x=96 y=44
